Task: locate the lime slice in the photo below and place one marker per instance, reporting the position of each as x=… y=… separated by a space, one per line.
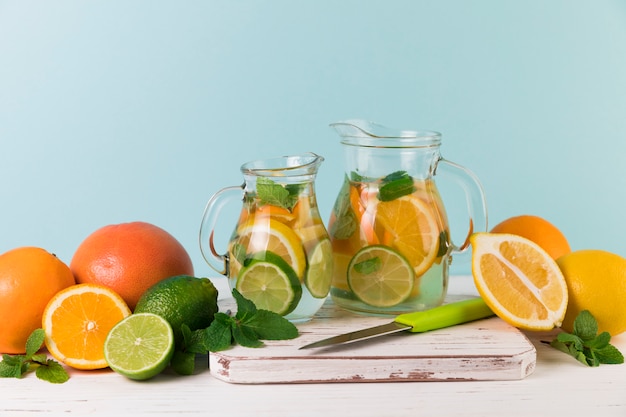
x=380 y=277
x=319 y=274
x=270 y=283
x=140 y=346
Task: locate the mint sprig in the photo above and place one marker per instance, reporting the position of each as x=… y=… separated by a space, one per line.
x=586 y=345
x=248 y=327
x=15 y=366
x=270 y=192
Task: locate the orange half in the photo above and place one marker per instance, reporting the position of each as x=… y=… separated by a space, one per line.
x=518 y=280
x=76 y=322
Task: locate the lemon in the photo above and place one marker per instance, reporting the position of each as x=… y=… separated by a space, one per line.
x=276 y=237
x=380 y=277
x=319 y=273
x=140 y=346
x=518 y=280
x=182 y=299
x=596 y=281
x=270 y=283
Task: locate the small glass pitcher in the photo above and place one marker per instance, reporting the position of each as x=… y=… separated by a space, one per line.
x=388 y=227
x=279 y=255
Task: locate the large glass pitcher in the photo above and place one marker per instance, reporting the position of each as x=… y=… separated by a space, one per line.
x=279 y=255
x=388 y=228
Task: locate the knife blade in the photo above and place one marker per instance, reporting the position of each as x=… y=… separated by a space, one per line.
x=417 y=322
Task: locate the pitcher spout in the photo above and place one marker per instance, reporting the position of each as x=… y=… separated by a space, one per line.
x=366 y=133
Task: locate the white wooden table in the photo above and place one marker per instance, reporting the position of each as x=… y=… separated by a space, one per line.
x=558 y=386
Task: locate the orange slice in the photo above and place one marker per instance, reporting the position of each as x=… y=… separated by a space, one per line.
x=518 y=280
x=76 y=322
x=411 y=228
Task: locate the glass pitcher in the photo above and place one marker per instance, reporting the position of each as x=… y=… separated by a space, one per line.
x=388 y=228
x=279 y=255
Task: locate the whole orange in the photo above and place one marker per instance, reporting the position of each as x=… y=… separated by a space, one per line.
x=129 y=258
x=29 y=278
x=538 y=230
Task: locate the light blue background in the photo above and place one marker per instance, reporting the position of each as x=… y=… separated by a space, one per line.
x=114 y=111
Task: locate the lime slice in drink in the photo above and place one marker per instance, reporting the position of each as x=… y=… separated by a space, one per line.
x=270 y=283
x=319 y=274
x=380 y=276
x=140 y=346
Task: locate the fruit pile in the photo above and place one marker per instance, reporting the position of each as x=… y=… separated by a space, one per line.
x=86 y=309
x=527 y=274
x=527 y=258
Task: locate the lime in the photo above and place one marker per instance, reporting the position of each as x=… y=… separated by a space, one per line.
x=140 y=346
x=270 y=283
x=380 y=276
x=319 y=274
x=181 y=299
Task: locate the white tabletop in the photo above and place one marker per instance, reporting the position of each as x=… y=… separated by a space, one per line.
x=558 y=386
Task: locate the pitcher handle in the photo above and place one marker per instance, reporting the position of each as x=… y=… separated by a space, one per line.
x=213 y=208
x=474 y=196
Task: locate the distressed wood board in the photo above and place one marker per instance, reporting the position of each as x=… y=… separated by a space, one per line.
x=487 y=349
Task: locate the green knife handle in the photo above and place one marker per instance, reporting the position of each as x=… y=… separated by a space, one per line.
x=445 y=315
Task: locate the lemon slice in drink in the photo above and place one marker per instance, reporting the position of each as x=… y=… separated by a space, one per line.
x=380 y=276
x=140 y=346
x=270 y=283
x=319 y=274
x=276 y=237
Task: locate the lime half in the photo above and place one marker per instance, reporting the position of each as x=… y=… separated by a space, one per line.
x=140 y=346
x=380 y=276
x=270 y=283
x=319 y=274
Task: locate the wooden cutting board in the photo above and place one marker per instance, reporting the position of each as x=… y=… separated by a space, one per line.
x=487 y=349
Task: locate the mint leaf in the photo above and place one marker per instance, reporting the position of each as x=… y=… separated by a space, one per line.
x=12 y=366
x=368 y=266
x=218 y=336
x=52 y=371
x=610 y=355
x=271 y=326
x=35 y=342
x=345 y=223
x=245 y=307
x=585 y=325
x=246 y=337
x=396 y=185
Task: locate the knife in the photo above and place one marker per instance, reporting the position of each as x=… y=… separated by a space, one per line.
x=417 y=322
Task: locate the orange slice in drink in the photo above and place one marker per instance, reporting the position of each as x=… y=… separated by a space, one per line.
x=411 y=228
x=518 y=280
x=273 y=236
x=76 y=322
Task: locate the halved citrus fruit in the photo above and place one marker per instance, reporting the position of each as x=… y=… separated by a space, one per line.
x=519 y=280
x=76 y=322
x=140 y=346
x=276 y=237
x=319 y=274
x=380 y=277
x=270 y=283
x=412 y=229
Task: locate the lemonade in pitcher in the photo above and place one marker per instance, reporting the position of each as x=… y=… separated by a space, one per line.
x=389 y=231
x=390 y=242
x=279 y=255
